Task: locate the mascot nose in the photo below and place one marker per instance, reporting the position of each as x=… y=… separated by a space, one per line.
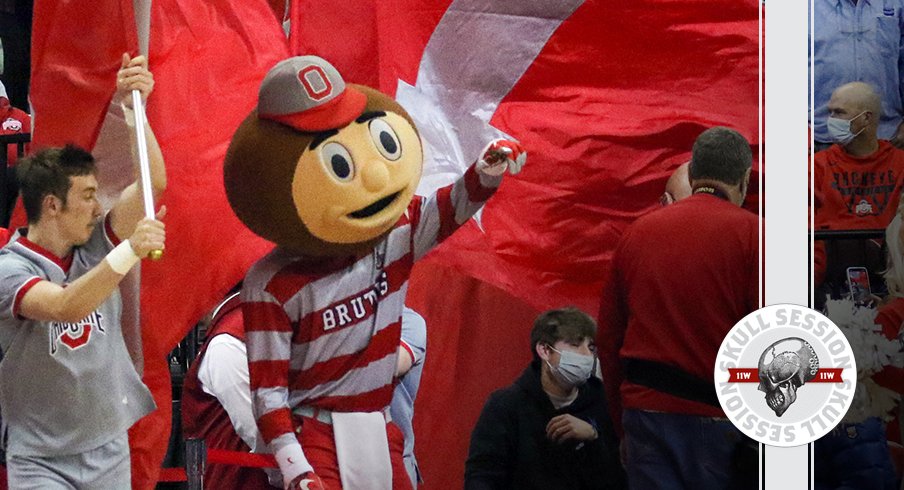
x=375 y=176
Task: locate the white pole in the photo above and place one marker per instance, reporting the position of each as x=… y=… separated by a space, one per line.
x=144 y=164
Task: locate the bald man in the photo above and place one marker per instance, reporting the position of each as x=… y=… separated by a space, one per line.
x=857 y=181
x=677 y=187
x=858 y=40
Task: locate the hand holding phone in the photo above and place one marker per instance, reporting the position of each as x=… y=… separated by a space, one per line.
x=858 y=284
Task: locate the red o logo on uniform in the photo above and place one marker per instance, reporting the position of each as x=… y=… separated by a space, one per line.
x=315 y=82
x=82 y=338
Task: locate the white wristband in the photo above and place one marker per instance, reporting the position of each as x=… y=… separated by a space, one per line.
x=292 y=462
x=122 y=258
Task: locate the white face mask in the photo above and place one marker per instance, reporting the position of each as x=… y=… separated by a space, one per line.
x=574 y=369
x=840 y=129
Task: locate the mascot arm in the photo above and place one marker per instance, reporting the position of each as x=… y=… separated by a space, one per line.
x=268 y=339
x=435 y=217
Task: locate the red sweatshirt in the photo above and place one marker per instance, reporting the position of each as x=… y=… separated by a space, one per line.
x=681 y=277
x=852 y=193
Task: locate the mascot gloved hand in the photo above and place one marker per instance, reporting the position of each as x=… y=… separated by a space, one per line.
x=306 y=481
x=500 y=155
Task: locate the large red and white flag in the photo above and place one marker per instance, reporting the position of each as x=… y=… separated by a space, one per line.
x=607 y=100
x=208 y=59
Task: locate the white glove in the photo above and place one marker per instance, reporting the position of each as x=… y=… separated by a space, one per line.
x=500 y=155
x=292 y=463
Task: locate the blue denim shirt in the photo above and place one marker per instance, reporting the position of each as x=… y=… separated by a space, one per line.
x=414 y=333
x=859 y=42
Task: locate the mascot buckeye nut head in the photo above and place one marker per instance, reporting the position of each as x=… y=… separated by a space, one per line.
x=322 y=167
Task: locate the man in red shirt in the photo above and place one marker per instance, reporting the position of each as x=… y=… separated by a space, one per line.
x=857 y=182
x=681 y=277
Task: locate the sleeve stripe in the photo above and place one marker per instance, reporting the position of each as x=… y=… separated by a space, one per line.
x=404 y=345
x=261 y=316
x=476 y=191
x=447 y=221
x=276 y=423
x=21 y=293
x=268 y=345
x=108 y=229
x=268 y=374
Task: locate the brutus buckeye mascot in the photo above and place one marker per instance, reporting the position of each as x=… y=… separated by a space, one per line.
x=328 y=171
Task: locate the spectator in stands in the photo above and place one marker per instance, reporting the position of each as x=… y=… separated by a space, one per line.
x=891 y=319
x=856 y=454
x=12 y=121
x=858 y=181
x=550 y=429
x=677 y=187
x=657 y=353
x=216 y=397
x=858 y=40
x=216 y=400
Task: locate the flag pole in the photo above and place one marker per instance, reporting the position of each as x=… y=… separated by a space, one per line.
x=144 y=164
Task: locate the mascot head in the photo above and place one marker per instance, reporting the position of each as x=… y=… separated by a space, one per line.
x=321 y=167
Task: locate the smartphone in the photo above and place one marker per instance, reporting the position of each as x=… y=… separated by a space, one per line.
x=858 y=284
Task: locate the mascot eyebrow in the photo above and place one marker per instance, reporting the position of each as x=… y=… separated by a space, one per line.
x=323 y=135
x=367 y=116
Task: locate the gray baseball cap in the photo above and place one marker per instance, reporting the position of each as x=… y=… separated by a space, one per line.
x=308 y=93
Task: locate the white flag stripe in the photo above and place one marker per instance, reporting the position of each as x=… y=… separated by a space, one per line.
x=452 y=102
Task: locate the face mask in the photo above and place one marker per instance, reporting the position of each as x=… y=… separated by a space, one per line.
x=574 y=369
x=840 y=129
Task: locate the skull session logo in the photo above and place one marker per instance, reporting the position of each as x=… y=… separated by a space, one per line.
x=785 y=375
x=781 y=374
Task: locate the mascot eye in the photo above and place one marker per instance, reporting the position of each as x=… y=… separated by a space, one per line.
x=386 y=140
x=338 y=161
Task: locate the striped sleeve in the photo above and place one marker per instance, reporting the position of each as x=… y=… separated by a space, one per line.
x=414 y=335
x=268 y=337
x=435 y=217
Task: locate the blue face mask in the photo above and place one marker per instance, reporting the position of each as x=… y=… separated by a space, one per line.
x=840 y=129
x=574 y=369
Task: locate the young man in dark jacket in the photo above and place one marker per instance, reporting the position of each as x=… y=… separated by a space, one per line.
x=551 y=428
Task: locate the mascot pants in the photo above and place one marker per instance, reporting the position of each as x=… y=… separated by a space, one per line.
x=316 y=440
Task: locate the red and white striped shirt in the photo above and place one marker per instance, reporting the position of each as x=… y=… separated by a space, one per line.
x=325 y=333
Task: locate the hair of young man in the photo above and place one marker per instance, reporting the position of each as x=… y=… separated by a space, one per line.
x=569 y=324
x=720 y=154
x=48 y=172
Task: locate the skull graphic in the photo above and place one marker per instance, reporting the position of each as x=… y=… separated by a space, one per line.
x=784 y=367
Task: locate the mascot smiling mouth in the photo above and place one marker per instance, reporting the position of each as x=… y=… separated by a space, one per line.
x=376 y=207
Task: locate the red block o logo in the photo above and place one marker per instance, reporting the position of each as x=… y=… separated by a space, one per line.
x=76 y=342
x=315 y=74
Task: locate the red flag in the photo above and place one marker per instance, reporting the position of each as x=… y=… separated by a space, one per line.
x=73 y=67
x=344 y=31
x=606 y=112
x=208 y=60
